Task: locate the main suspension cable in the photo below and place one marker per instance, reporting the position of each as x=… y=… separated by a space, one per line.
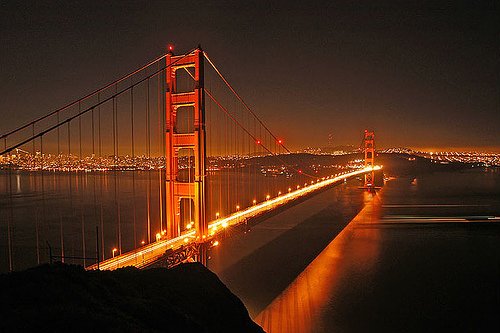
x=243 y=102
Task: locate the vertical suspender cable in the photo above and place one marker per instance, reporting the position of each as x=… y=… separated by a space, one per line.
x=101 y=175
x=148 y=152
x=134 y=161
x=37 y=212
x=81 y=192
x=10 y=220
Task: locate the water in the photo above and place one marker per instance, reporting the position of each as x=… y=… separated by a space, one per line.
x=422 y=255
x=63 y=209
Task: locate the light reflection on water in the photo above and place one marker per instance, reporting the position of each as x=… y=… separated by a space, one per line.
x=422 y=256
x=299 y=307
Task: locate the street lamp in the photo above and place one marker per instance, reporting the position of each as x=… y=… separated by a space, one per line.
x=114 y=250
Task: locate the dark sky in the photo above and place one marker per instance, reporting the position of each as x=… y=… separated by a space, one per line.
x=421 y=74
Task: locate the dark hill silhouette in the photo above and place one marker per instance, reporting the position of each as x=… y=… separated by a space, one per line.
x=58 y=297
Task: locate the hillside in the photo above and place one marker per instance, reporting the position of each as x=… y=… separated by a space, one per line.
x=55 y=298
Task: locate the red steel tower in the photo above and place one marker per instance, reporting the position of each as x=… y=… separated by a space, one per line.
x=185 y=145
x=369 y=140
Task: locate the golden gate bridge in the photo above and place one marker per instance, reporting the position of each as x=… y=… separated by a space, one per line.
x=151 y=169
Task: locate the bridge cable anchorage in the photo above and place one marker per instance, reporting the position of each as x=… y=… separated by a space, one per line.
x=67 y=120
x=242 y=101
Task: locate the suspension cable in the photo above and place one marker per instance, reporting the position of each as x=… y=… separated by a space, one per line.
x=243 y=102
x=209 y=94
x=86 y=96
x=89 y=108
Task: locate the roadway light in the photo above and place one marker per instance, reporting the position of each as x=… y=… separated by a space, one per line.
x=113 y=252
x=254 y=201
x=217 y=215
x=268 y=197
x=142 y=243
x=237 y=207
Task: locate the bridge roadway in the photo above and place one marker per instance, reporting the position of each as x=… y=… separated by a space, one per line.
x=149 y=253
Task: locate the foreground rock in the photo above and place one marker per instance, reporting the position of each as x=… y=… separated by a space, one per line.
x=187 y=298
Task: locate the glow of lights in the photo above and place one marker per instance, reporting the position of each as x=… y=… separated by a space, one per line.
x=189 y=226
x=113 y=252
x=289 y=189
x=215 y=243
x=143 y=242
x=224 y=224
x=237 y=207
x=186 y=240
x=268 y=197
x=156 y=249
x=280 y=141
x=158 y=236
x=258 y=142
x=254 y=201
x=217 y=215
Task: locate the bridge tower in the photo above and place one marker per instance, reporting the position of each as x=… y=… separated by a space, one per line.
x=369 y=141
x=185 y=146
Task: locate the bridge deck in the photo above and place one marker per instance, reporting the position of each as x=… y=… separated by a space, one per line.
x=147 y=254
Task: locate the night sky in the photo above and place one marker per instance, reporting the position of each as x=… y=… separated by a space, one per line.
x=420 y=74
